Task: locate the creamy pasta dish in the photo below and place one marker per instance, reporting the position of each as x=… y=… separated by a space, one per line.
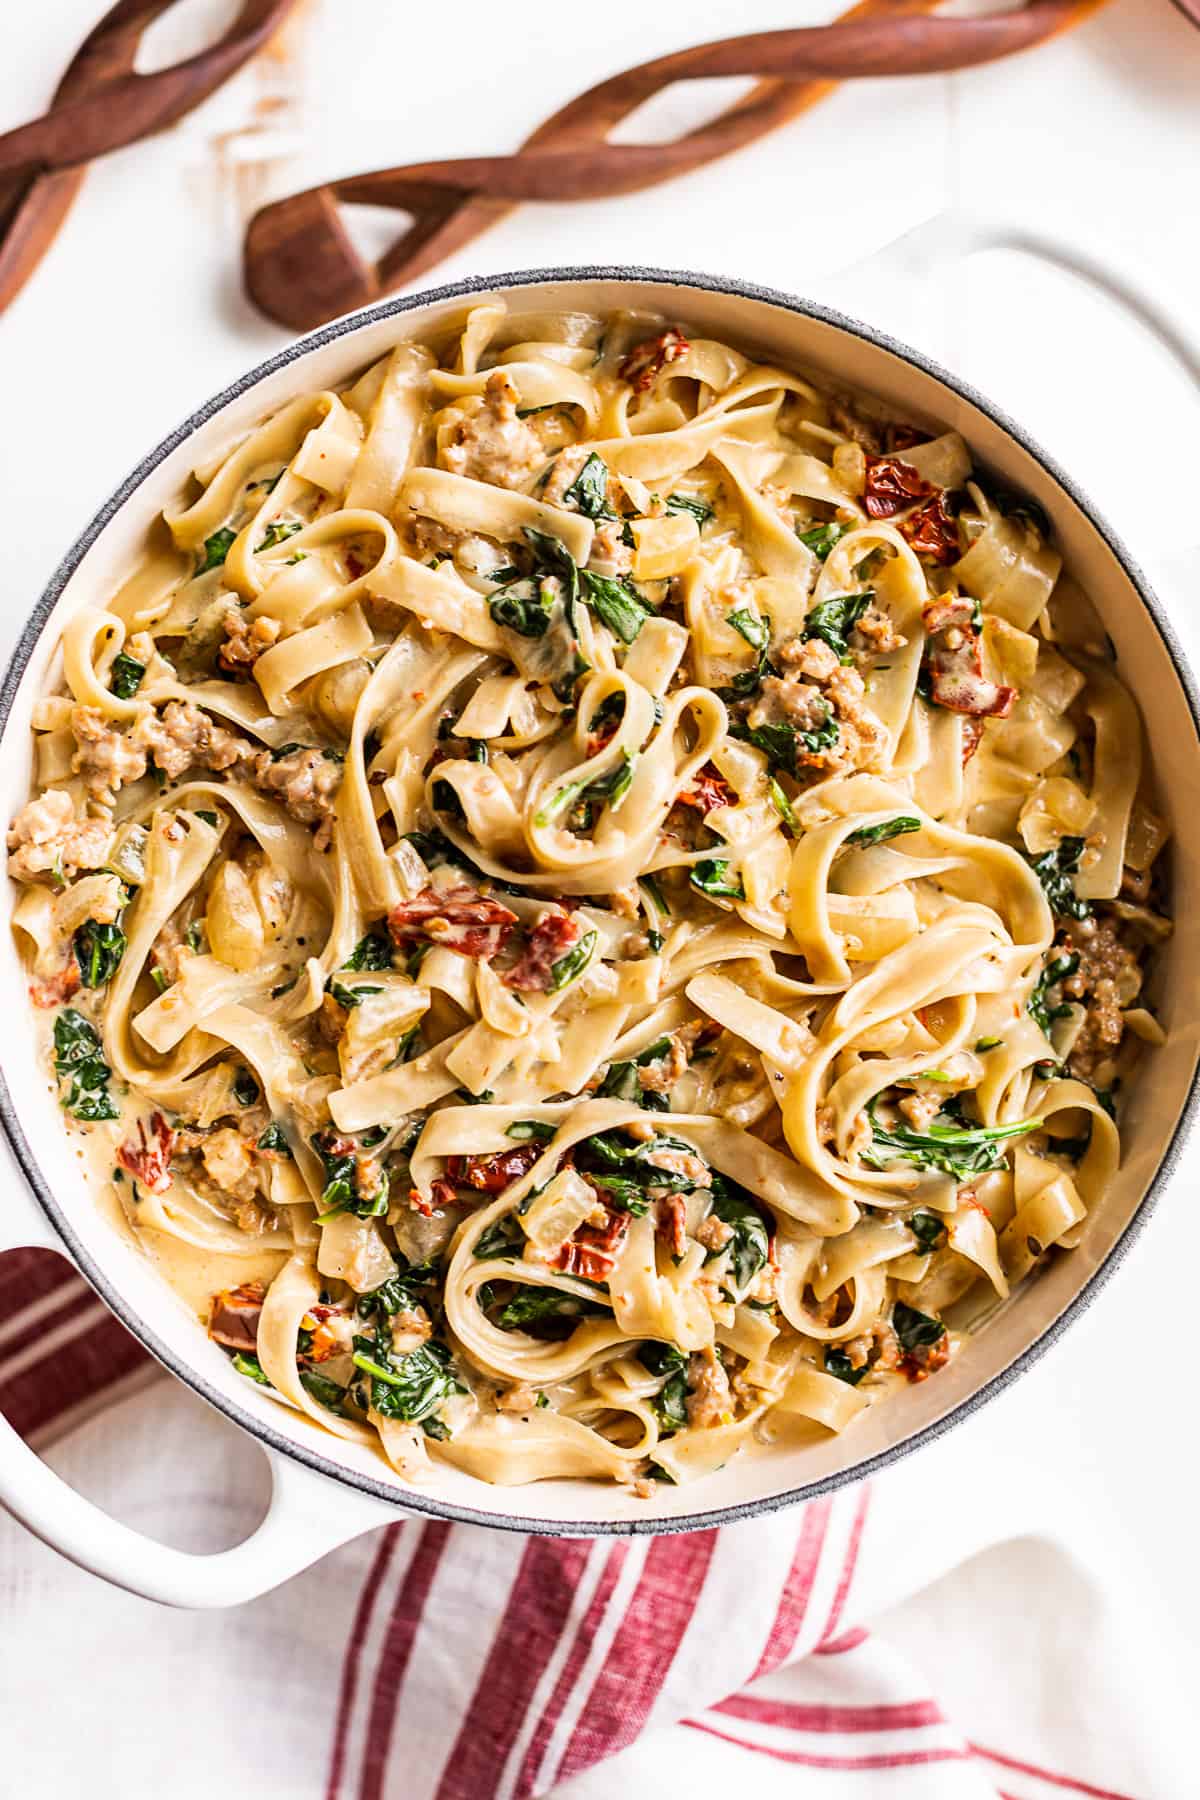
x=589 y=900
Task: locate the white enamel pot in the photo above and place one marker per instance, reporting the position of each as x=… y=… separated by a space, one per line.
x=326 y=1492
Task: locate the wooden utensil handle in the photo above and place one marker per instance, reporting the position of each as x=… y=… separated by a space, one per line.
x=301 y=268
x=101 y=104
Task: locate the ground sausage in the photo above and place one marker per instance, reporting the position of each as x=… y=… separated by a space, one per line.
x=490 y=443
x=47 y=842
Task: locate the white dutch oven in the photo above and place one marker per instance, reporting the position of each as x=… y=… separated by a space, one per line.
x=326 y=1492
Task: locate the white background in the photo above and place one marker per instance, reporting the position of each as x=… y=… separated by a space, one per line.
x=136 y=316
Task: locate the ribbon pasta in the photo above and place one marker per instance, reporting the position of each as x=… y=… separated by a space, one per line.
x=594 y=896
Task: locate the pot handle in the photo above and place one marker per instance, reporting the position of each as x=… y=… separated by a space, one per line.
x=950 y=236
x=307 y=1517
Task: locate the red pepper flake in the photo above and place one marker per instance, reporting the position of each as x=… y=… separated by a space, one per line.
x=149 y=1162
x=892 y=486
x=647 y=360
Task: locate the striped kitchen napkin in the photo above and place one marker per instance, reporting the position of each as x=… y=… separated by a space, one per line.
x=930 y=1638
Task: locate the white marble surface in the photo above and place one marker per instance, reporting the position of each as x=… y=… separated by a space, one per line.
x=136 y=316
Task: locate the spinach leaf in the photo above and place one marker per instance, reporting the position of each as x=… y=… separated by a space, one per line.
x=79 y=1059
x=522 y=608
x=915 y=1329
x=98 y=951
x=401 y=1292
x=623 y=1194
x=503 y=1237
x=879 y=834
x=699 y=509
x=1020 y=506
x=782 y=804
x=216 y=549
x=245 y=1088
x=833 y=620
x=125 y=676
x=782 y=745
x=838 y=1363
x=670 y=1402
x=756 y=631
x=749 y=1247
x=927 y=1228
x=820 y=539
x=712 y=877
x=251 y=1368
x=606 y=1152
x=621 y=1080
x=349 y=997
x=341 y=1193
x=956 y=1150
x=589 y=490
x=574 y=962
x=522 y=1131
x=326 y=1393
x=374 y=951
x=1054 y=869
x=277 y=532
x=406 y=1387
x=273 y=1139
x=1039 y=1008
x=534 y=1305
x=616 y=603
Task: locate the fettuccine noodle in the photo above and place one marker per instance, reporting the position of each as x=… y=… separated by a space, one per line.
x=599 y=893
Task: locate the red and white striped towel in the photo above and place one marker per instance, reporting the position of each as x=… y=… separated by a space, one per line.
x=439 y=1662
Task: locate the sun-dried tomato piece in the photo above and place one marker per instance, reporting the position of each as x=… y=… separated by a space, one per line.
x=932 y=531
x=492 y=1174
x=950 y=609
x=972 y=737
x=593 y=1249
x=671 y=1224
x=458 y=918
x=54 y=989
x=919 y=1364
x=234 y=1315
x=648 y=359
x=331 y=1330
x=709 y=790
x=149 y=1160
x=892 y=486
x=604 y=735
x=954 y=663
x=554 y=934
x=904 y=437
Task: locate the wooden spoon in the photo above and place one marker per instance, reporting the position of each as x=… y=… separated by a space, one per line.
x=101 y=104
x=301 y=268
